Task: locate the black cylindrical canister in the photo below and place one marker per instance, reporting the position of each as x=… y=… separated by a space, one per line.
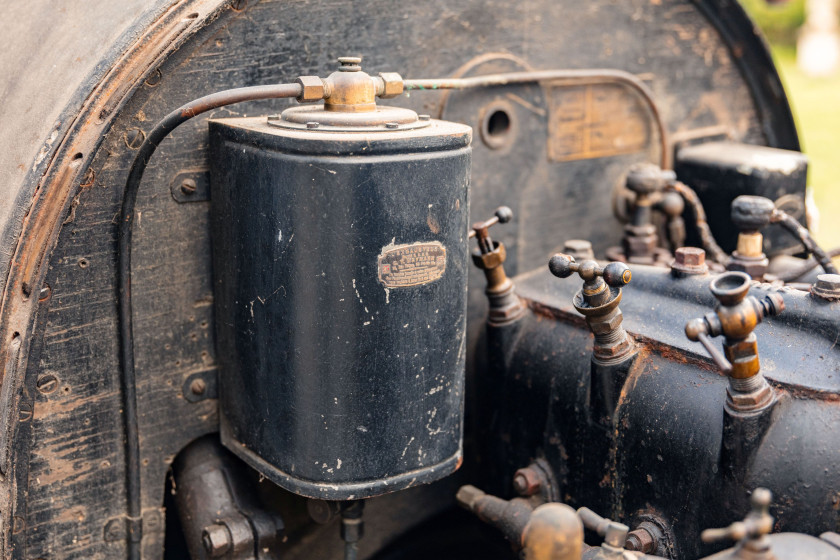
x=340 y=270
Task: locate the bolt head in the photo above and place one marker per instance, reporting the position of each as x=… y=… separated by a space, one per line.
x=827 y=287
x=578 y=248
x=829 y=282
x=526 y=482
x=198 y=386
x=188 y=186
x=216 y=540
x=690 y=256
x=689 y=261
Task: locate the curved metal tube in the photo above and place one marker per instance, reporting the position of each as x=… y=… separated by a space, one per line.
x=124 y=304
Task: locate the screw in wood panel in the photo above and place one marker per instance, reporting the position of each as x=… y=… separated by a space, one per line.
x=47 y=383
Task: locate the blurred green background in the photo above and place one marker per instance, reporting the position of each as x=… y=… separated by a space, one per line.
x=816 y=107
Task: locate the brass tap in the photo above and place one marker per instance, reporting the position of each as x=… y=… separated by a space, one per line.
x=735 y=317
x=598 y=301
x=505 y=305
x=752 y=530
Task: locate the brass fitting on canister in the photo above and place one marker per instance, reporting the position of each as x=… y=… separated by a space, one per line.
x=350 y=90
x=735 y=317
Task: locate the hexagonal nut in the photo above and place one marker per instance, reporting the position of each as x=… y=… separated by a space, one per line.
x=605 y=324
x=216 y=540
x=393 y=85
x=690 y=256
x=526 y=482
x=755 y=268
x=489 y=260
x=313 y=88
x=747 y=402
x=827 y=287
x=609 y=354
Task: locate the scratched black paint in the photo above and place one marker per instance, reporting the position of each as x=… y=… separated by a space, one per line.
x=332 y=385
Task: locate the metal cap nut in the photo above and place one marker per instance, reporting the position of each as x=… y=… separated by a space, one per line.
x=392 y=85
x=216 y=540
x=827 y=287
x=526 y=482
x=689 y=261
x=313 y=88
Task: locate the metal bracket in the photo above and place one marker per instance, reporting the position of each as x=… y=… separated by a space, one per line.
x=191 y=185
x=200 y=386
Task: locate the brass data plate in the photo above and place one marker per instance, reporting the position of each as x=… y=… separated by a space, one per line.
x=401 y=266
x=595 y=120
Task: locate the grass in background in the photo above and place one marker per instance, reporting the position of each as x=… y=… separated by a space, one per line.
x=778 y=22
x=816 y=106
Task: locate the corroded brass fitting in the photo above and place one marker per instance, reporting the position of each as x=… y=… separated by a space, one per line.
x=505 y=305
x=735 y=317
x=349 y=97
x=750 y=214
x=598 y=301
x=640 y=243
x=751 y=532
x=349 y=89
x=554 y=532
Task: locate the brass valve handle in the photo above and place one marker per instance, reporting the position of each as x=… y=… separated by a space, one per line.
x=758 y=523
x=480 y=230
x=615 y=274
x=701 y=330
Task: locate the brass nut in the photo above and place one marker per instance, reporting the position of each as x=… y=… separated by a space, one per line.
x=392 y=85
x=313 y=88
x=754 y=266
x=526 y=482
x=489 y=260
x=747 y=402
x=606 y=324
x=606 y=354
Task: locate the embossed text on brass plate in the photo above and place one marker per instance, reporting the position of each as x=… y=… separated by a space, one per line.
x=401 y=266
x=595 y=120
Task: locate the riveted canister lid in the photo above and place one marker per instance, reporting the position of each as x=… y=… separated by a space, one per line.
x=383 y=119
